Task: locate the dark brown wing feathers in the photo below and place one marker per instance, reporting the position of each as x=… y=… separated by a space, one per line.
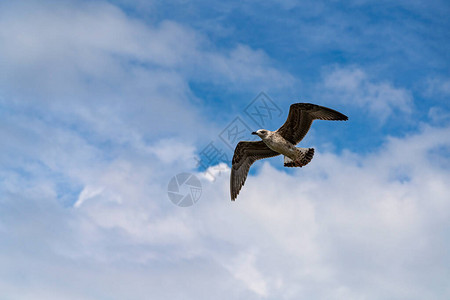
x=300 y=118
x=245 y=154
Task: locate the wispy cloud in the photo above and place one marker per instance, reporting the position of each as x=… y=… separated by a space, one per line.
x=354 y=87
x=438 y=87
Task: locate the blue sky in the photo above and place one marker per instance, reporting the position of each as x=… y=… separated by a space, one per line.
x=103 y=102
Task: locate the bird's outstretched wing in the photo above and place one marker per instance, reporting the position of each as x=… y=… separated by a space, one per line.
x=245 y=154
x=300 y=118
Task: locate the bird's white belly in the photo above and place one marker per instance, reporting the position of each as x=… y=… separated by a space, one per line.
x=282 y=147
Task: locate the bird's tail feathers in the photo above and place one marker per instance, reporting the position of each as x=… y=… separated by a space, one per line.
x=303 y=158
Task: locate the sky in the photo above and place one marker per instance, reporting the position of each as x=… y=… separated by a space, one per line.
x=103 y=103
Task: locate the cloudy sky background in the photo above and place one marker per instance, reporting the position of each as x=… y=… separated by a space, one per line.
x=102 y=102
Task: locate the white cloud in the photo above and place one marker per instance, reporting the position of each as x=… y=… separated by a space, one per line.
x=438 y=115
x=87 y=193
x=243 y=268
x=117 y=76
x=347 y=226
x=172 y=150
x=353 y=86
x=100 y=42
x=437 y=87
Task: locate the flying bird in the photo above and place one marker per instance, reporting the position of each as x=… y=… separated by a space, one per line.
x=281 y=141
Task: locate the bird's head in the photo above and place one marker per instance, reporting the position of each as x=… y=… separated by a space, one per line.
x=262 y=133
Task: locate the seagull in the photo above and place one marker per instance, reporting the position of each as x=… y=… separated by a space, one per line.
x=281 y=141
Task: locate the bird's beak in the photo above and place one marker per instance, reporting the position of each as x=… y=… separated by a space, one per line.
x=254 y=132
